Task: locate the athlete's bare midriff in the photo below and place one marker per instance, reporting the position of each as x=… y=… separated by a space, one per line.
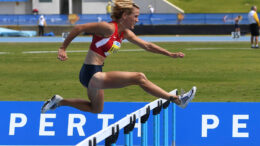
x=94 y=58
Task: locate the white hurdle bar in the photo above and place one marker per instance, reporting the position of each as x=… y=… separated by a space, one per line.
x=116 y=127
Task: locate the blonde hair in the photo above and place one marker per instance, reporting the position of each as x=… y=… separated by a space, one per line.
x=121 y=6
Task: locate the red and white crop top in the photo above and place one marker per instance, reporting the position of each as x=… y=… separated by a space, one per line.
x=106 y=46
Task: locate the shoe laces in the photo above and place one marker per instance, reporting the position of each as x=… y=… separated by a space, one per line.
x=182 y=92
x=185 y=96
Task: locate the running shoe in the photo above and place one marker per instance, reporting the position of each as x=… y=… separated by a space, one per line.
x=51 y=104
x=187 y=97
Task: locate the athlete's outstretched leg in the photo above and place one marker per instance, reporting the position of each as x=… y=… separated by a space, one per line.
x=115 y=79
x=95 y=105
x=118 y=79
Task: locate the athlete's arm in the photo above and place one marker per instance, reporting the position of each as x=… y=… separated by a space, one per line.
x=102 y=29
x=151 y=47
x=256 y=18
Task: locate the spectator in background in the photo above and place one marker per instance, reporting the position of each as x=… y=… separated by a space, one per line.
x=73 y=18
x=237 y=27
x=180 y=17
x=254 y=26
x=151 y=11
x=99 y=19
x=237 y=20
x=35 y=11
x=41 y=24
x=108 y=8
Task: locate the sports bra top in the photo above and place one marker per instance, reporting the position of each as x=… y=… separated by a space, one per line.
x=106 y=46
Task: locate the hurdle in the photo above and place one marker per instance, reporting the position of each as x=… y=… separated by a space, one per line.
x=110 y=134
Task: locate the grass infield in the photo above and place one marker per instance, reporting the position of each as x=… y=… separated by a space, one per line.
x=215 y=6
x=222 y=72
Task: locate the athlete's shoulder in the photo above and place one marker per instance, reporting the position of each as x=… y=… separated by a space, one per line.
x=107 y=28
x=252 y=12
x=129 y=33
x=102 y=29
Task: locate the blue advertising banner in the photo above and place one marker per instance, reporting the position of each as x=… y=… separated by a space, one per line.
x=219 y=124
x=22 y=123
x=204 y=124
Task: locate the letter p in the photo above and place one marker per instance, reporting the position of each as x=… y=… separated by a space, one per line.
x=205 y=125
x=13 y=123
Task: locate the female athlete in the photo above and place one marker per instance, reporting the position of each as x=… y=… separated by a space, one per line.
x=107 y=38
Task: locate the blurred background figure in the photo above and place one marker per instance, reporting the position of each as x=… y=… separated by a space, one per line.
x=99 y=19
x=41 y=24
x=35 y=11
x=237 y=20
x=73 y=18
x=237 y=27
x=180 y=17
x=236 y=33
x=151 y=11
x=254 y=26
x=108 y=7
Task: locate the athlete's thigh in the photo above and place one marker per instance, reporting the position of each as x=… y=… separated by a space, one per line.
x=114 y=79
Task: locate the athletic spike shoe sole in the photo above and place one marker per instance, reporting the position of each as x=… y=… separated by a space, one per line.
x=51 y=104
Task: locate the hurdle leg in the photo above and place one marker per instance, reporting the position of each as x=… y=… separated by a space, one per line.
x=144 y=133
x=127 y=139
x=173 y=124
x=165 y=127
x=131 y=138
x=156 y=127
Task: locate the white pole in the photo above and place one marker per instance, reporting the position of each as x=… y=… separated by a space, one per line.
x=70 y=7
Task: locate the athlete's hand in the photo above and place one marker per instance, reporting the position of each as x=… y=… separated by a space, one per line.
x=178 y=55
x=62 y=55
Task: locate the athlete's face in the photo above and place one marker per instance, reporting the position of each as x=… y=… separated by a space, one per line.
x=131 y=19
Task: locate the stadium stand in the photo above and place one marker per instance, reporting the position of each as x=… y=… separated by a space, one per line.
x=165 y=16
x=78 y=6
x=144 y=19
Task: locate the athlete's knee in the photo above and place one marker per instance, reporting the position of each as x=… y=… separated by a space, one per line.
x=97 y=110
x=141 y=78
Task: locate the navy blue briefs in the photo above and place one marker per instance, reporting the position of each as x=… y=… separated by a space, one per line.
x=87 y=71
